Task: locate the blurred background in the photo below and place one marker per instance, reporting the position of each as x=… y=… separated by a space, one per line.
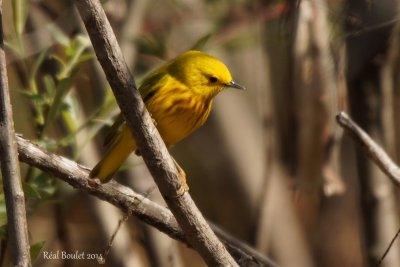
x=270 y=166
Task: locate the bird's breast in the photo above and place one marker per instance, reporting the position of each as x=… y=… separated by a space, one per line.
x=178 y=115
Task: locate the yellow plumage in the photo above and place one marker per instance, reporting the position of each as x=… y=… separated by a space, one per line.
x=178 y=96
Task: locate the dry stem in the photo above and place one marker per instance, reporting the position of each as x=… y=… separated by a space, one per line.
x=14 y=195
x=127 y=200
x=372 y=149
x=150 y=144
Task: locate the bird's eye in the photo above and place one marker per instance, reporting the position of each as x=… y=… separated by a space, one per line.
x=213 y=79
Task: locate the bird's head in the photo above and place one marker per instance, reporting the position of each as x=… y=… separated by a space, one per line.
x=204 y=74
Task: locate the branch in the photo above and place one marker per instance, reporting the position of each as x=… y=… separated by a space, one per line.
x=373 y=150
x=14 y=195
x=388 y=248
x=127 y=200
x=152 y=148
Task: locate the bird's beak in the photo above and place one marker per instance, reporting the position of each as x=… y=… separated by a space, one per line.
x=233 y=84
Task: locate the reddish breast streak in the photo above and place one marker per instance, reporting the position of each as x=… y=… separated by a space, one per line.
x=202 y=116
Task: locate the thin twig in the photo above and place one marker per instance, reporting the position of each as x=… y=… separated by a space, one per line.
x=388 y=248
x=372 y=28
x=151 y=146
x=126 y=199
x=374 y=151
x=112 y=238
x=14 y=195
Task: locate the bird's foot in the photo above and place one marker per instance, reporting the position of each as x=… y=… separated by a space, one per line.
x=182 y=180
x=94 y=182
x=184 y=186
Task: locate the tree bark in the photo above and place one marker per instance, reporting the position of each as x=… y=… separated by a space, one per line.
x=14 y=195
x=151 y=146
x=128 y=201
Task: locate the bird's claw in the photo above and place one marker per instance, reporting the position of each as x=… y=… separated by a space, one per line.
x=182 y=180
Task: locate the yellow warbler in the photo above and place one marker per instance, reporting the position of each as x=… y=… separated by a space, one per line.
x=178 y=96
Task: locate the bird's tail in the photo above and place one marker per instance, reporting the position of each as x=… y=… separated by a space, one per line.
x=114 y=157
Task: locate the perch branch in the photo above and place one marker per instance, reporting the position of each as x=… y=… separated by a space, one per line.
x=14 y=195
x=153 y=150
x=129 y=201
x=373 y=150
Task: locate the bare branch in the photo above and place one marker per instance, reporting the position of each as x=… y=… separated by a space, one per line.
x=374 y=151
x=151 y=146
x=388 y=248
x=127 y=200
x=14 y=195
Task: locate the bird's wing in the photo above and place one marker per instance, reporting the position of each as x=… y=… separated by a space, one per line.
x=150 y=85
x=114 y=132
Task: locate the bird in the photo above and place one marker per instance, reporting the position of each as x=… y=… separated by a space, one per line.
x=178 y=96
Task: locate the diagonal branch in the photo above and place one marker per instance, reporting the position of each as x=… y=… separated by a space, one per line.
x=155 y=154
x=374 y=151
x=14 y=195
x=128 y=200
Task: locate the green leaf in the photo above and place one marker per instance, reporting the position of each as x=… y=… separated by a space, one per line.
x=74 y=52
x=86 y=57
x=49 y=85
x=47 y=143
x=58 y=59
x=62 y=90
x=96 y=120
x=36 y=248
x=41 y=186
x=151 y=47
x=38 y=63
x=245 y=40
x=69 y=115
x=13 y=46
x=199 y=45
x=20 y=11
x=58 y=35
x=31 y=191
